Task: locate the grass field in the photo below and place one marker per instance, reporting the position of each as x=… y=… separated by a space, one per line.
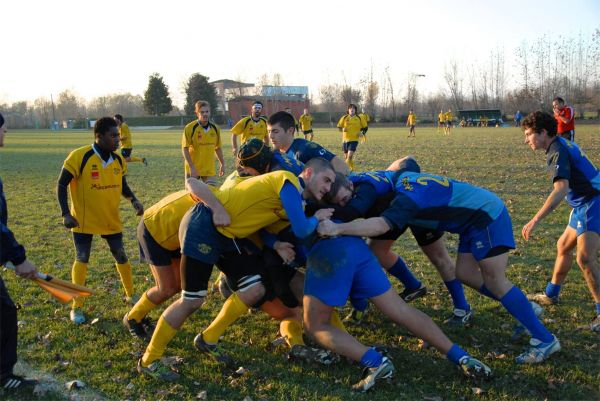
x=104 y=355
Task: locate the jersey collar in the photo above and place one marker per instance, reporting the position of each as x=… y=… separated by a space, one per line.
x=98 y=152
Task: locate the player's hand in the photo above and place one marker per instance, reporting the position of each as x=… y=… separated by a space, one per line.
x=221 y=217
x=323 y=214
x=221 y=170
x=327 y=228
x=194 y=172
x=234 y=151
x=69 y=221
x=285 y=250
x=139 y=208
x=528 y=229
x=26 y=270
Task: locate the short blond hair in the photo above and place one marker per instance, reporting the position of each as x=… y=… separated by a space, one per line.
x=201 y=103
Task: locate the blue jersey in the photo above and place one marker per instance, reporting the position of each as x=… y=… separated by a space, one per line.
x=281 y=161
x=439 y=203
x=303 y=150
x=567 y=161
x=379 y=180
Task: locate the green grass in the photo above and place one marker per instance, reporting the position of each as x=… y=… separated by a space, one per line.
x=104 y=355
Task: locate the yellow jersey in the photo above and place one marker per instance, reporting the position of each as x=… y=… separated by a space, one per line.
x=351 y=127
x=365 y=118
x=441 y=117
x=125 y=136
x=254 y=203
x=305 y=122
x=412 y=119
x=232 y=180
x=448 y=116
x=248 y=128
x=95 y=190
x=202 y=143
x=163 y=218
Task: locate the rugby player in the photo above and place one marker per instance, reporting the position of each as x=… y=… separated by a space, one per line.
x=95 y=175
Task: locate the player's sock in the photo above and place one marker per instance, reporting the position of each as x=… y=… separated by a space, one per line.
x=597 y=308
x=401 y=271
x=457 y=293
x=516 y=304
x=141 y=308
x=337 y=322
x=78 y=274
x=486 y=291
x=163 y=334
x=291 y=329
x=371 y=358
x=232 y=309
x=552 y=290
x=456 y=353
x=133 y=159
x=124 y=270
x=360 y=304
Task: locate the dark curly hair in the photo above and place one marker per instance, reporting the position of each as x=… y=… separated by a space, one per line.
x=254 y=153
x=104 y=124
x=539 y=120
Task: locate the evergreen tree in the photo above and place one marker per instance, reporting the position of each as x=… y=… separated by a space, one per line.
x=156 y=97
x=198 y=88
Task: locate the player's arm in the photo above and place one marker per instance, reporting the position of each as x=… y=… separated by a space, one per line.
x=292 y=204
x=234 y=144
x=62 y=195
x=219 y=153
x=129 y=195
x=559 y=191
x=371 y=227
x=203 y=192
x=187 y=157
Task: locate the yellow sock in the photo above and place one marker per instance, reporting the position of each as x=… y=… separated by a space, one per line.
x=351 y=164
x=163 y=334
x=141 y=308
x=337 y=322
x=291 y=329
x=124 y=270
x=232 y=309
x=78 y=274
x=133 y=159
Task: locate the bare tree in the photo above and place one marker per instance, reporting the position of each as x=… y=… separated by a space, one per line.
x=453 y=78
x=329 y=95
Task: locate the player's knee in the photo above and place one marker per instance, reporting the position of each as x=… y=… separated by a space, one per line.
x=119 y=255
x=584 y=260
x=83 y=255
x=192 y=300
x=251 y=289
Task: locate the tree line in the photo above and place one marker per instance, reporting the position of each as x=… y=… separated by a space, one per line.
x=566 y=66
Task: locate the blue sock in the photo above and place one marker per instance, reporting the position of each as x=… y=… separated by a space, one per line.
x=598 y=309
x=456 y=353
x=371 y=358
x=516 y=304
x=457 y=293
x=485 y=291
x=360 y=304
x=552 y=290
x=402 y=273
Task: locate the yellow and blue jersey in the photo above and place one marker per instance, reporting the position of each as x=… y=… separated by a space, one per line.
x=125 y=136
x=351 y=126
x=440 y=203
x=248 y=128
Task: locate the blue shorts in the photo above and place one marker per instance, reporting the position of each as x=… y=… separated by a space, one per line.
x=126 y=152
x=150 y=251
x=200 y=239
x=481 y=241
x=350 y=146
x=340 y=267
x=586 y=217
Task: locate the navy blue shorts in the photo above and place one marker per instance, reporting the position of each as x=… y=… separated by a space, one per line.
x=340 y=267
x=350 y=146
x=200 y=239
x=150 y=251
x=126 y=152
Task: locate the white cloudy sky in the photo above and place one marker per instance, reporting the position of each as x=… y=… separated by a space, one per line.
x=109 y=46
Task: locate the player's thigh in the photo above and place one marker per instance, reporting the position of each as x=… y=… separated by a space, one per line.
x=567 y=241
x=588 y=245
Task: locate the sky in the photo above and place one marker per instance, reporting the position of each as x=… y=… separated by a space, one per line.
x=100 y=47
